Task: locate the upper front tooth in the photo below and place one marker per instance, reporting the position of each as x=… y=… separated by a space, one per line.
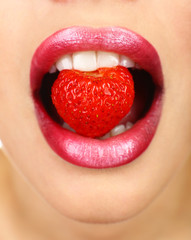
x=92 y=60
x=126 y=62
x=85 y=61
x=64 y=62
x=107 y=59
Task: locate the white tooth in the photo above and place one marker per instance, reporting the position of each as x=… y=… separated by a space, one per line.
x=126 y=62
x=128 y=125
x=64 y=62
x=107 y=59
x=85 y=61
x=117 y=130
x=65 y=125
x=52 y=69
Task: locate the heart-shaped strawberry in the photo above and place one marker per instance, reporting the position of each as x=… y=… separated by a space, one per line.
x=93 y=103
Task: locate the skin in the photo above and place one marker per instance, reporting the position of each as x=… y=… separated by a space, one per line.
x=153 y=185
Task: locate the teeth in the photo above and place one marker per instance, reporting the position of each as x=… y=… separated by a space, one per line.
x=107 y=135
x=137 y=66
x=107 y=59
x=65 y=125
x=52 y=69
x=114 y=132
x=85 y=61
x=118 y=130
x=64 y=62
x=126 y=62
x=128 y=125
x=92 y=60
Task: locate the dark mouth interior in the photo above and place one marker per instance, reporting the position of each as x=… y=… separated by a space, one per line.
x=144 y=94
x=45 y=96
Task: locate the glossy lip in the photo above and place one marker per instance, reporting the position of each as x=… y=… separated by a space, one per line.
x=87 y=152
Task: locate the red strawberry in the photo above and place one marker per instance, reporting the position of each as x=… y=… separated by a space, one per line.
x=93 y=103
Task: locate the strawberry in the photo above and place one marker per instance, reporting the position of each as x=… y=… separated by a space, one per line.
x=93 y=103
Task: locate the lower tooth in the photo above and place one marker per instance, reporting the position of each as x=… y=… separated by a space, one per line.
x=66 y=126
x=105 y=136
x=114 y=132
x=128 y=125
x=118 y=130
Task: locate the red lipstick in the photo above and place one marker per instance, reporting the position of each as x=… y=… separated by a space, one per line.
x=87 y=152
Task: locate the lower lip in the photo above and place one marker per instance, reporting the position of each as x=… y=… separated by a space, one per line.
x=94 y=153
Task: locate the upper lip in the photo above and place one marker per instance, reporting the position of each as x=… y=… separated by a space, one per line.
x=92 y=152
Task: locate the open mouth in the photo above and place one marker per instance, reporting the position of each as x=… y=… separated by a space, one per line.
x=87 y=49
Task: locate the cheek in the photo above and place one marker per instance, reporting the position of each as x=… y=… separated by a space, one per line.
x=174 y=18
